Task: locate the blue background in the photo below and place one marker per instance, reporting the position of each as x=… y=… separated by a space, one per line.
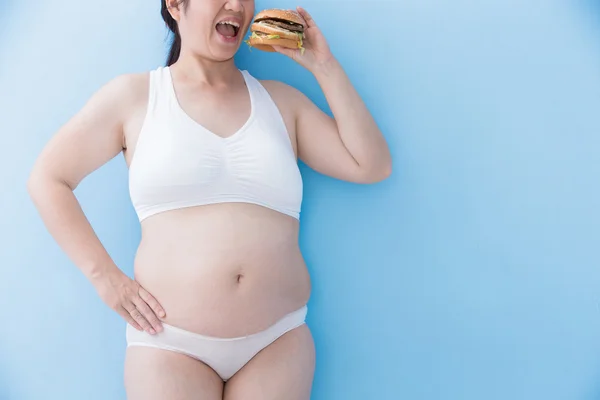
x=472 y=273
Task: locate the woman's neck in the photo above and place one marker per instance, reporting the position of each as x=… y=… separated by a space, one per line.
x=204 y=71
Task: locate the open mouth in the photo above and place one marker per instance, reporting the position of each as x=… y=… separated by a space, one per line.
x=228 y=29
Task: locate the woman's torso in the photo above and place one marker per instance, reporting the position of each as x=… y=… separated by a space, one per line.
x=226 y=267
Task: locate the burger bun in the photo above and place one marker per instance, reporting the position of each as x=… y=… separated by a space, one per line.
x=286 y=15
x=264 y=44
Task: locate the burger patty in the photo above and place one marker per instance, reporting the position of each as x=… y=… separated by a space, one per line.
x=285 y=25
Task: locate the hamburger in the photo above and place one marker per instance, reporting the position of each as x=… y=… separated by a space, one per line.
x=276 y=27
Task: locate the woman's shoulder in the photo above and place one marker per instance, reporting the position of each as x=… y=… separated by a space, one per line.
x=283 y=93
x=129 y=92
x=278 y=87
x=131 y=87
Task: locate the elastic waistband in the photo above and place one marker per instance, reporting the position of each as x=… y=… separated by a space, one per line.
x=288 y=321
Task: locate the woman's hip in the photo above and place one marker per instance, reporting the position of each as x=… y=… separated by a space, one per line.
x=225 y=356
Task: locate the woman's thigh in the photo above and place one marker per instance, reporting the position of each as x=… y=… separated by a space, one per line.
x=156 y=374
x=283 y=370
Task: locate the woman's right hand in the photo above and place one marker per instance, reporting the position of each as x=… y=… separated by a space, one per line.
x=128 y=298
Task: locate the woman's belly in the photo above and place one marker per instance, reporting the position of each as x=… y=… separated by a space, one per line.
x=223 y=270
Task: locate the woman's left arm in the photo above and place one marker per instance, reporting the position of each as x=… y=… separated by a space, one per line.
x=349 y=146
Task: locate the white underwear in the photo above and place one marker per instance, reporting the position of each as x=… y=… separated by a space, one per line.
x=225 y=356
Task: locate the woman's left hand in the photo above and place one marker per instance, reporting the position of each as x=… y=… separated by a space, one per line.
x=316 y=51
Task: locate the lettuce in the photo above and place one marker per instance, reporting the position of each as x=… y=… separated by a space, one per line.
x=300 y=42
x=300 y=35
x=255 y=36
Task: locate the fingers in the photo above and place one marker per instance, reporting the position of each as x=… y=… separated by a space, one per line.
x=127 y=317
x=138 y=307
x=148 y=314
x=152 y=302
x=139 y=318
x=310 y=22
x=285 y=51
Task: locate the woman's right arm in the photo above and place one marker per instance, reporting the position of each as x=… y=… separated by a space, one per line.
x=87 y=141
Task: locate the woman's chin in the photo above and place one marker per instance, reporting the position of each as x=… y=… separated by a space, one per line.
x=225 y=48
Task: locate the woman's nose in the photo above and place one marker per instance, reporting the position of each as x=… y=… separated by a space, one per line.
x=234 y=5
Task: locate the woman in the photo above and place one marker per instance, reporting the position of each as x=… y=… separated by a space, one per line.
x=218 y=304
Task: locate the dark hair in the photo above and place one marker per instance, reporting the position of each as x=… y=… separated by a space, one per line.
x=172 y=25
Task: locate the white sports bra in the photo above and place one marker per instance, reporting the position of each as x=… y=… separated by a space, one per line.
x=178 y=163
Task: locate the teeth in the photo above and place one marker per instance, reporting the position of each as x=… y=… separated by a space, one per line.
x=230 y=23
